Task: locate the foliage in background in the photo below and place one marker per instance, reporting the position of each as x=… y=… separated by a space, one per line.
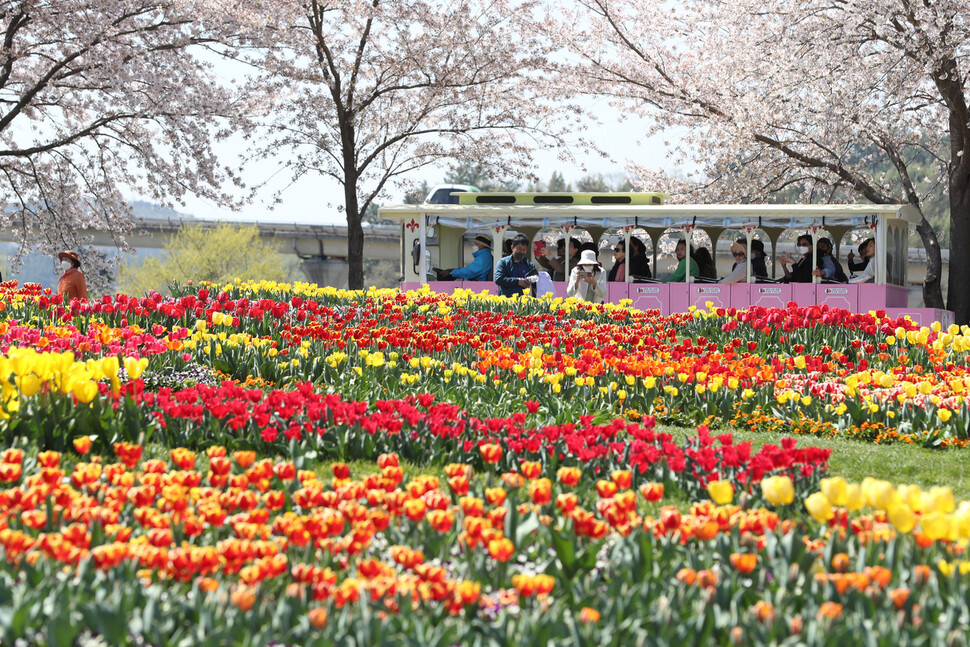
x=219 y=255
x=826 y=97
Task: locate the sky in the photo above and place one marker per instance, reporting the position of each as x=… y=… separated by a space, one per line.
x=314 y=200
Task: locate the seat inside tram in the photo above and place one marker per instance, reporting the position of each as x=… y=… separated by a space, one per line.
x=641 y=231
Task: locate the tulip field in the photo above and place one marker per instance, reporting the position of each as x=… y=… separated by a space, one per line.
x=259 y=463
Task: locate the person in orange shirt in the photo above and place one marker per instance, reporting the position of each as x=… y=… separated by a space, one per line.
x=72 y=284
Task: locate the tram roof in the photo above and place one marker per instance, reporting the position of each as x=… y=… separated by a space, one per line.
x=602 y=210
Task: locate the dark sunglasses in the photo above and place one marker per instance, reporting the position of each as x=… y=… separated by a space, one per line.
x=738 y=254
x=617 y=249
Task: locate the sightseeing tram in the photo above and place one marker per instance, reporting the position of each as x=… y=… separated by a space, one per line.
x=437 y=236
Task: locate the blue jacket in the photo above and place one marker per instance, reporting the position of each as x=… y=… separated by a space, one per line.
x=478 y=269
x=508 y=274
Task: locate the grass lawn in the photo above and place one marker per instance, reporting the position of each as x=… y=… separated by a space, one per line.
x=854 y=460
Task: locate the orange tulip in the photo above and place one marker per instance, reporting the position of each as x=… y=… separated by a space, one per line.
x=589 y=615
x=531 y=469
x=48 y=459
x=318 y=617
x=243 y=597
x=501 y=549
x=491 y=452
x=10 y=472
x=415 y=509
x=387 y=460
x=652 y=492
x=244 y=459
x=82 y=444
x=458 y=484
x=764 y=612
x=495 y=495
x=840 y=563
x=687 y=576
x=831 y=610
x=441 y=520
x=899 y=597
x=341 y=471
x=606 y=489
x=744 y=562
x=622 y=478
x=569 y=476
x=540 y=491
x=12 y=456
x=468 y=592
x=524 y=584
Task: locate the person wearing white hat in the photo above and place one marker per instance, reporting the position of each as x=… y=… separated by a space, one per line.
x=587 y=281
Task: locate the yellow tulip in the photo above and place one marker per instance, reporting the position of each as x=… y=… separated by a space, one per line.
x=879 y=494
x=939 y=499
x=911 y=495
x=819 y=507
x=135 y=367
x=29 y=384
x=854 y=498
x=85 y=391
x=935 y=525
x=778 y=490
x=721 y=492
x=902 y=518
x=835 y=490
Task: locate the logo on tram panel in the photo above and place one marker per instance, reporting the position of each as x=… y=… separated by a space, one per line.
x=709 y=290
x=836 y=290
x=412 y=225
x=769 y=290
x=648 y=290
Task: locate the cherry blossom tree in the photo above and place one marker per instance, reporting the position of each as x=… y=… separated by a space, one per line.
x=834 y=98
x=99 y=98
x=366 y=92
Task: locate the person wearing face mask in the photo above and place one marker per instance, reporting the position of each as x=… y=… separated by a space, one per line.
x=829 y=267
x=801 y=269
x=512 y=271
x=587 y=280
x=478 y=269
x=71 y=284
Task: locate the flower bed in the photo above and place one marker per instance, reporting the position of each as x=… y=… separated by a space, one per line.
x=161 y=480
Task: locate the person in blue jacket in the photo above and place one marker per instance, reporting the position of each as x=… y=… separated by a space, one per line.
x=512 y=270
x=479 y=268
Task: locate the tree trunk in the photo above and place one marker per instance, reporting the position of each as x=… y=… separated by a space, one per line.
x=932 y=288
x=355 y=234
x=958 y=297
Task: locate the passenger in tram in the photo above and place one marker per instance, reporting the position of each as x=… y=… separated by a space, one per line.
x=801 y=270
x=478 y=269
x=867 y=250
x=587 y=281
x=555 y=262
x=759 y=267
x=739 y=273
x=705 y=263
x=829 y=267
x=639 y=263
x=863 y=259
x=617 y=273
x=680 y=274
x=512 y=273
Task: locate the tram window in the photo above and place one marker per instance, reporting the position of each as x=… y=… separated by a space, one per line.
x=611 y=199
x=495 y=199
x=553 y=199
